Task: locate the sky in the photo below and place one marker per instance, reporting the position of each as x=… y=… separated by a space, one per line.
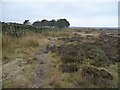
x=80 y=13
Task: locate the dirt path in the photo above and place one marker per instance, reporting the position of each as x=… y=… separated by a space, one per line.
x=14 y=68
x=40 y=70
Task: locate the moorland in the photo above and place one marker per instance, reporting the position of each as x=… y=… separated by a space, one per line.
x=59 y=57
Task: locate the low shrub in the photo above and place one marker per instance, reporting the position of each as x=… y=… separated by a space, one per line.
x=97 y=76
x=70 y=59
x=69 y=67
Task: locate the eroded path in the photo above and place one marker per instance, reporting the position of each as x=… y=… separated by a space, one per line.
x=40 y=70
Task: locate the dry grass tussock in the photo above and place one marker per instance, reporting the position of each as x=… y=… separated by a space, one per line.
x=8 y=43
x=33 y=40
x=29 y=41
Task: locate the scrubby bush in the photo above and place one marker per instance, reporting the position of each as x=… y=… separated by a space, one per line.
x=96 y=73
x=69 y=67
x=109 y=44
x=70 y=59
x=97 y=76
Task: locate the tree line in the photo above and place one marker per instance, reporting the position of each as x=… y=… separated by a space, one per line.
x=60 y=23
x=16 y=29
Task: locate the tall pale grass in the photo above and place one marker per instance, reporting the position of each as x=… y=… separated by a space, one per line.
x=8 y=43
x=29 y=41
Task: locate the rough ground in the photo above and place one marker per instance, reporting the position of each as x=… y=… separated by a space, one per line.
x=14 y=69
x=40 y=70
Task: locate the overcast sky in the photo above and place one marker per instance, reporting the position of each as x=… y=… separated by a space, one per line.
x=82 y=13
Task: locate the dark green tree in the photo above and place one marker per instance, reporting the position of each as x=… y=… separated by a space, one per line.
x=44 y=22
x=37 y=24
x=26 y=22
x=62 y=23
x=52 y=23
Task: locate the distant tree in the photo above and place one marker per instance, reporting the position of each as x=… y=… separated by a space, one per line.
x=37 y=24
x=52 y=23
x=67 y=24
x=62 y=23
x=49 y=23
x=26 y=22
x=44 y=22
